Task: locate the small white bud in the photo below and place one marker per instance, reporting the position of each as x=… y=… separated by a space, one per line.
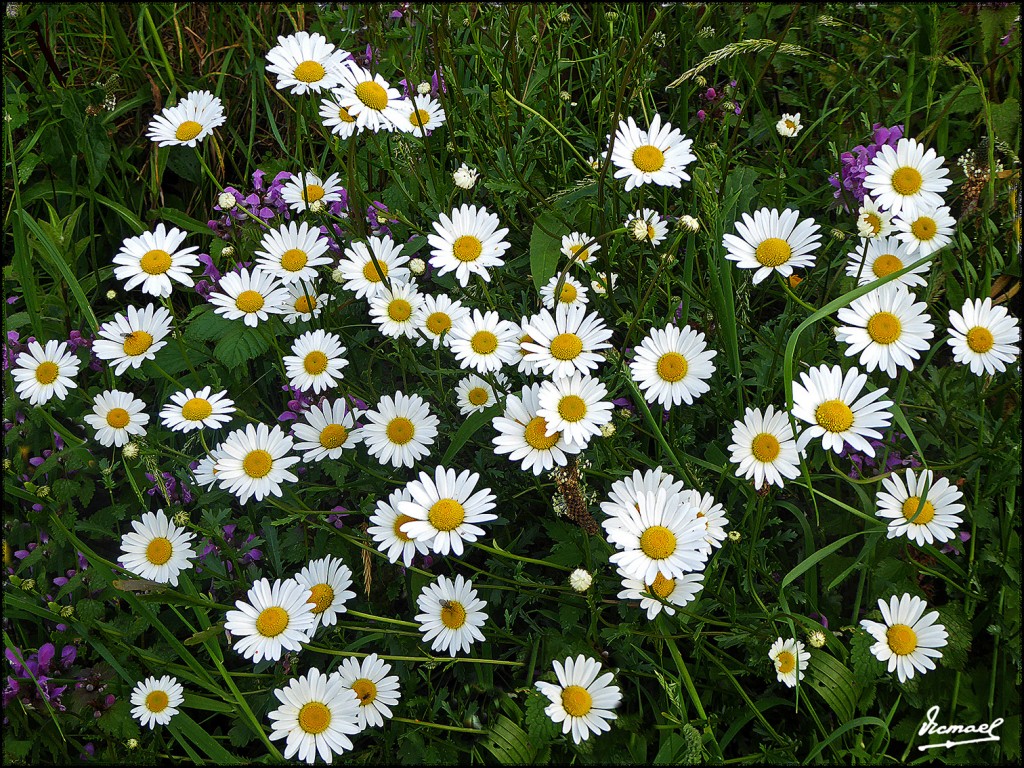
x=816 y=638
x=690 y=223
x=423 y=89
x=226 y=201
x=317 y=206
x=465 y=177
x=417 y=266
x=111 y=294
x=131 y=451
x=580 y=580
x=227 y=252
x=337 y=275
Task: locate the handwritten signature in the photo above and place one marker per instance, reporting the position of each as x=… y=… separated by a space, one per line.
x=930 y=726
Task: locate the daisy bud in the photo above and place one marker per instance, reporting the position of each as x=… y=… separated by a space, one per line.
x=43 y=492
x=611 y=16
x=226 y=201
x=838 y=234
x=638 y=230
x=816 y=638
x=111 y=295
x=580 y=580
x=28 y=585
x=67 y=611
x=131 y=451
x=227 y=252
x=688 y=222
x=317 y=206
x=132 y=744
x=607 y=430
x=7 y=465
x=423 y=89
x=181 y=518
x=564 y=17
x=337 y=275
x=465 y=177
x=735 y=536
x=417 y=266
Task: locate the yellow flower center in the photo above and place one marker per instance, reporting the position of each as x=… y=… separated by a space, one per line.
x=155 y=262
x=467 y=248
x=118 y=418
x=535 y=436
x=438 y=323
x=399 y=310
x=196 y=409
x=188 y=130
x=886 y=265
x=980 y=339
x=566 y=346
x=159 y=551
x=658 y=542
x=399 y=522
x=786 y=662
x=400 y=430
x=834 y=415
x=446 y=514
x=765 y=448
x=309 y=72
x=910 y=508
x=333 y=436
x=137 y=343
x=322 y=596
x=294 y=259
x=874 y=221
x=773 y=252
x=651 y=232
x=478 y=396
x=662 y=587
x=576 y=701
x=157 y=701
x=249 y=301
x=672 y=367
x=314 y=717
x=313 y=192
x=884 y=327
x=372 y=275
x=648 y=158
x=924 y=228
x=907 y=180
x=47 y=372
x=902 y=639
x=453 y=615
x=572 y=408
x=257 y=463
x=523 y=351
x=420 y=118
x=365 y=690
x=372 y=95
x=344 y=116
x=305 y=304
x=579 y=252
x=790 y=124
x=272 y=621
x=484 y=342
x=568 y=294
x=315 y=362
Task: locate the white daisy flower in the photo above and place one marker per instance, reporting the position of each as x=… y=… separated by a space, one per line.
x=924 y=509
x=575 y=247
x=569 y=341
x=829 y=402
x=882 y=257
x=151 y=260
x=484 y=342
x=907 y=640
x=583 y=699
x=661 y=594
x=573 y=292
x=450 y=615
x=292 y=252
x=156 y=701
x=625 y=493
x=523 y=434
x=375 y=689
x=465 y=177
x=440 y=315
x=600 y=284
x=386 y=525
x=306 y=63
x=277 y=618
x=445 y=511
x=361 y=275
x=906 y=179
x=475 y=394
x=647 y=224
x=711 y=514
x=659 y=155
x=130 y=339
x=328 y=579
x=303 y=303
x=467 y=243
x=764 y=447
x=189 y=410
x=419 y=115
x=317 y=715
x=401 y=430
x=772 y=241
x=927 y=231
x=326 y=431
x=205 y=473
x=368 y=98
x=527 y=367
x=872 y=221
x=789 y=125
x=316 y=361
x=42 y=372
x=187 y=123
x=672 y=365
x=886 y=328
x=983 y=336
x=790 y=659
x=336 y=118
x=254 y=462
x=304 y=189
x=574 y=406
x=157 y=549
x=398 y=311
x=249 y=296
x=117 y=416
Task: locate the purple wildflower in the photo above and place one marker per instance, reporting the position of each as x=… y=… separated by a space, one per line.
x=855 y=163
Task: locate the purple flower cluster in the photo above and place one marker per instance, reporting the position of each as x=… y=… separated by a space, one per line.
x=864 y=465
x=249 y=554
x=14 y=347
x=30 y=678
x=855 y=162
x=263 y=202
x=720 y=102
x=177 y=493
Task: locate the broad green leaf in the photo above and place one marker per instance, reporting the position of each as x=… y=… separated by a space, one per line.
x=545 y=249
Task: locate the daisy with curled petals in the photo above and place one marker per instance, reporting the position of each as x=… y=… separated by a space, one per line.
x=157 y=549
x=445 y=511
x=190 y=410
x=189 y=122
x=117 y=417
x=467 y=243
x=132 y=338
x=886 y=328
x=386 y=525
x=659 y=155
x=254 y=462
x=983 y=336
x=306 y=63
x=368 y=98
x=831 y=403
x=566 y=342
x=398 y=311
x=419 y=115
x=927 y=231
x=583 y=699
x=924 y=509
x=906 y=179
x=317 y=715
x=401 y=430
x=292 y=252
x=771 y=241
x=577 y=247
x=572 y=293
x=303 y=303
x=908 y=639
x=882 y=257
x=151 y=260
x=484 y=342
x=440 y=315
x=647 y=224
x=790 y=660
x=475 y=394
x=872 y=221
x=574 y=406
x=326 y=431
x=362 y=276
x=450 y=615
x=304 y=189
x=328 y=580
x=316 y=362
x=42 y=372
x=661 y=534
x=277 y=618
x=376 y=690
x=336 y=118
x=251 y=297
x=661 y=594
x=523 y=434
x=156 y=701
x=764 y=447
x=711 y=515
x=672 y=365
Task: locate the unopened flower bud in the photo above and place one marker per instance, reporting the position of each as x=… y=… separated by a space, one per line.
x=423 y=89
x=688 y=222
x=226 y=201
x=43 y=491
x=227 y=252
x=67 y=612
x=130 y=451
x=580 y=580
x=735 y=536
x=607 y=430
x=337 y=275
x=111 y=294
x=317 y=206
x=417 y=266
x=132 y=744
x=28 y=585
x=816 y=638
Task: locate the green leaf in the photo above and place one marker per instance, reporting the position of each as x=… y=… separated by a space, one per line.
x=240 y=345
x=184 y=162
x=1006 y=119
x=207 y=325
x=833 y=682
x=541 y=728
x=682 y=748
x=509 y=743
x=179 y=219
x=545 y=249
x=468 y=429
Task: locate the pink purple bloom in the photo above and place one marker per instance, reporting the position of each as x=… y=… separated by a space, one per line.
x=850 y=178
